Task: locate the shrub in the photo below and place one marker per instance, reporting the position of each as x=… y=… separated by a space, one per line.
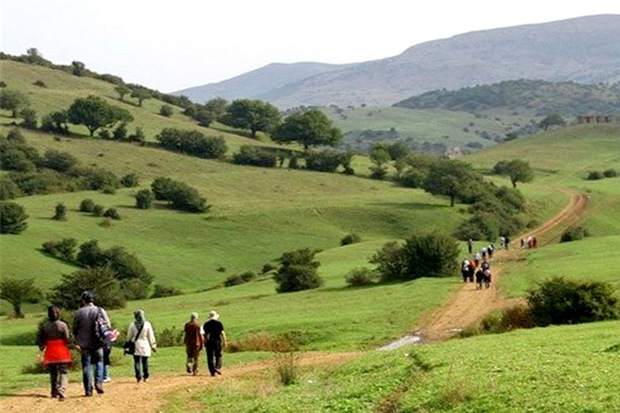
x=378 y=172
x=63 y=249
x=144 y=199
x=268 y=267
x=166 y=110
x=170 y=337
x=98 y=210
x=298 y=271
x=12 y=218
x=237 y=279
x=561 y=301
x=101 y=281
x=193 y=143
x=179 y=195
x=60 y=212
x=358 y=277
x=255 y=156
x=59 y=161
x=574 y=234
x=39 y=83
x=595 y=176
x=350 y=239
x=8 y=189
x=610 y=173
x=286 y=367
x=112 y=213
x=165 y=291
x=87 y=205
x=130 y=180
x=327 y=160
x=390 y=261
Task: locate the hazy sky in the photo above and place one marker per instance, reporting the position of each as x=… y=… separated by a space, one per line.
x=171 y=45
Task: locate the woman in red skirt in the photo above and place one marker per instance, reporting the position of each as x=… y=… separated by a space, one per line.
x=53 y=338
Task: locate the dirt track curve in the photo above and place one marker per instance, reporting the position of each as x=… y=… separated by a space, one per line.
x=468 y=305
x=464 y=307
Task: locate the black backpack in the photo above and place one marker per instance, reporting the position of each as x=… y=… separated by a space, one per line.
x=101 y=331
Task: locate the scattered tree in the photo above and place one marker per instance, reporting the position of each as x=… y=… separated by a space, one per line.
x=298 y=271
x=60 y=212
x=94 y=113
x=78 y=68
x=308 y=128
x=12 y=218
x=141 y=93
x=450 y=178
x=166 y=110
x=254 y=115
x=101 y=281
x=19 y=291
x=13 y=100
x=122 y=90
x=517 y=170
x=144 y=199
x=555 y=119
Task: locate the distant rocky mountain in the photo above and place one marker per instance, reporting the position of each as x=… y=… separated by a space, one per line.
x=584 y=50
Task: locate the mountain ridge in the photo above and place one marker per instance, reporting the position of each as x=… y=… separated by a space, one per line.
x=584 y=49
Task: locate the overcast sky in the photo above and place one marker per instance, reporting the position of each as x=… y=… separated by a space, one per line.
x=172 y=45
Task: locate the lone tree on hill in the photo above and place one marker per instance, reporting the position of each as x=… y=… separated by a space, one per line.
x=94 y=113
x=12 y=218
x=13 y=100
x=309 y=128
x=517 y=170
x=255 y=115
x=555 y=119
x=450 y=178
x=122 y=90
x=19 y=291
x=298 y=271
x=141 y=93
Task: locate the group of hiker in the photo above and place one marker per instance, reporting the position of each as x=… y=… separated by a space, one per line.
x=93 y=336
x=478 y=265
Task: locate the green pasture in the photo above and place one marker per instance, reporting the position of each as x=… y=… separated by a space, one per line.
x=450 y=128
x=555 y=370
x=63 y=88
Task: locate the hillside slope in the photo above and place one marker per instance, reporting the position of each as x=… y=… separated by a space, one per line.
x=583 y=50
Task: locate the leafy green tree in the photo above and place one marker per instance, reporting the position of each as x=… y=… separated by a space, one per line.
x=254 y=115
x=166 y=110
x=29 y=115
x=18 y=291
x=390 y=261
x=8 y=189
x=450 y=178
x=517 y=170
x=57 y=121
x=555 y=119
x=12 y=218
x=101 y=281
x=59 y=161
x=141 y=93
x=60 y=212
x=78 y=68
x=298 y=271
x=204 y=116
x=122 y=90
x=308 y=128
x=13 y=100
x=217 y=106
x=94 y=113
x=144 y=199
x=131 y=180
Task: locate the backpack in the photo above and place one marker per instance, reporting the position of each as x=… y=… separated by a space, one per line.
x=101 y=337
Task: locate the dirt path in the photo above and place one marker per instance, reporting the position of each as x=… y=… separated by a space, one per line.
x=120 y=393
x=468 y=305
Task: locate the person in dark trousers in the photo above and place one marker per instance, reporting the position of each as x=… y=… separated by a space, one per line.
x=85 y=321
x=53 y=338
x=194 y=342
x=215 y=341
x=470 y=246
x=142 y=334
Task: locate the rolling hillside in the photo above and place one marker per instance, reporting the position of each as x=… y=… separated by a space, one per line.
x=583 y=50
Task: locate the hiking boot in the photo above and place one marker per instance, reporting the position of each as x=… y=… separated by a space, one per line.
x=61 y=398
x=99 y=388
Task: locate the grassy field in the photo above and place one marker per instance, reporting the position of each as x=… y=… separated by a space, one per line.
x=555 y=370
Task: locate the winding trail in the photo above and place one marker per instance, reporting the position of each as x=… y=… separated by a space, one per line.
x=463 y=308
x=468 y=305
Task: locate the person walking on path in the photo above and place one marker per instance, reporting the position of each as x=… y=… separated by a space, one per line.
x=470 y=246
x=194 y=342
x=107 y=351
x=87 y=324
x=215 y=341
x=141 y=333
x=53 y=338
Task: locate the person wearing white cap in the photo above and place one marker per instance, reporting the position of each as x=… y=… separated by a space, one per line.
x=215 y=341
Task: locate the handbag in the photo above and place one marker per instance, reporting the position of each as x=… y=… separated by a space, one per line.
x=129 y=348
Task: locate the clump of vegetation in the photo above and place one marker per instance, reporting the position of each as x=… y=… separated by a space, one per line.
x=359 y=277
x=425 y=255
x=19 y=291
x=561 y=301
x=12 y=218
x=144 y=199
x=287 y=369
x=179 y=195
x=101 y=281
x=610 y=173
x=98 y=210
x=87 y=205
x=193 y=143
x=64 y=249
x=298 y=271
x=574 y=233
x=112 y=213
x=595 y=176
x=130 y=180
x=255 y=156
x=238 y=279
x=170 y=337
x=60 y=213
x=350 y=239
x=160 y=290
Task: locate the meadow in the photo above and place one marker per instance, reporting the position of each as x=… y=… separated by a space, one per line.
x=258 y=214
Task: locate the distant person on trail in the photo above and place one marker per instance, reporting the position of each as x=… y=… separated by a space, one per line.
x=529 y=241
x=534 y=242
x=487 y=278
x=491 y=250
x=507 y=243
x=485 y=266
x=479 y=278
x=472 y=270
x=215 y=341
x=470 y=246
x=522 y=243
x=194 y=342
x=502 y=242
x=89 y=327
x=465 y=270
x=141 y=332
x=484 y=253
x=53 y=338
x=477 y=259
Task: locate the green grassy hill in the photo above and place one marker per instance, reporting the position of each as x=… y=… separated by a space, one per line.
x=257 y=214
